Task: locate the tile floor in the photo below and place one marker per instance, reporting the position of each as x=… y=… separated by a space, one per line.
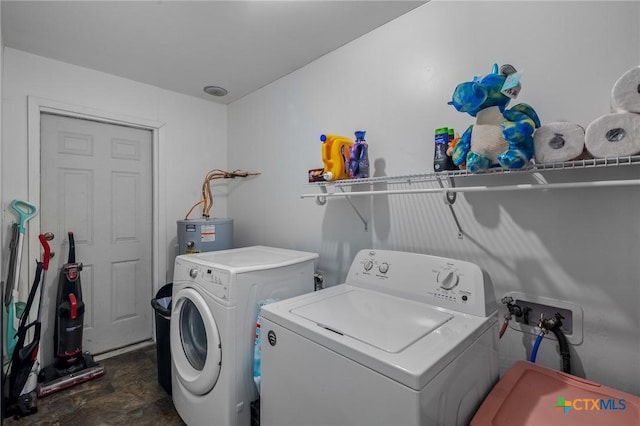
x=128 y=394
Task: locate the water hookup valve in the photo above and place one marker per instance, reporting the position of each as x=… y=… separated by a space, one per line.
x=513 y=310
x=547 y=324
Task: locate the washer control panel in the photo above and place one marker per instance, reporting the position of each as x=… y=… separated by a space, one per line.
x=372 y=266
x=216 y=281
x=449 y=283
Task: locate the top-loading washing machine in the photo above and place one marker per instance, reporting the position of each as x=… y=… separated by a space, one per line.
x=215 y=304
x=408 y=339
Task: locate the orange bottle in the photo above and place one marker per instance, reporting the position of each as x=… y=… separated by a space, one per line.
x=336 y=151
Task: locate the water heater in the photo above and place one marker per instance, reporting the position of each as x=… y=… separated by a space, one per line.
x=200 y=235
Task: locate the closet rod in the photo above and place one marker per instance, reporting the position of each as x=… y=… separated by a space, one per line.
x=519 y=187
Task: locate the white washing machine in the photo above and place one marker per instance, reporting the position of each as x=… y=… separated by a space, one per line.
x=408 y=339
x=213 y=319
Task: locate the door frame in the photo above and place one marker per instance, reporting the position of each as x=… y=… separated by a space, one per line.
x=37 y=106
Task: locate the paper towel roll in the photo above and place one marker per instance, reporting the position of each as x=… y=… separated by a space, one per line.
x=614 y=135
x=625 y=96
x=554 y=142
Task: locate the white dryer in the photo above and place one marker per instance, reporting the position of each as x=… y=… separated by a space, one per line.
x=408 y=339
x=215 y=303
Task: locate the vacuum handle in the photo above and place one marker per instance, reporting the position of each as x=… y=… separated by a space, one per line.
x=72 y=249
x=47 y=251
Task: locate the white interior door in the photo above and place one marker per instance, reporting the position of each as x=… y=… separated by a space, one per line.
x=96 y=181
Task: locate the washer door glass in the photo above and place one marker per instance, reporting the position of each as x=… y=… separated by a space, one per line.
x=193 y=335
x=195 y=342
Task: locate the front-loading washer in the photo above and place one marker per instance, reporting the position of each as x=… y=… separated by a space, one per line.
x=215 y=304
x=408 y=339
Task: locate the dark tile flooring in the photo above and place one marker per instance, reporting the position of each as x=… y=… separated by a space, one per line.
x=128 y=394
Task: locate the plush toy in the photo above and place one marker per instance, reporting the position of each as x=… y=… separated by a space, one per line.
x=500 y=136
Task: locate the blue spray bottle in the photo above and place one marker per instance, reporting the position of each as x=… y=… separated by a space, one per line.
x=359 y=161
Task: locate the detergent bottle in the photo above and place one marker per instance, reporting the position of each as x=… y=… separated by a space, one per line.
x=336 y=152
x=359 y=162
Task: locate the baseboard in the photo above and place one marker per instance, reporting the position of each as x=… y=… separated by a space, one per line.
x=124 y=350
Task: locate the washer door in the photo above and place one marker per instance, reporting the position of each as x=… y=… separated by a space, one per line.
x=195 y=342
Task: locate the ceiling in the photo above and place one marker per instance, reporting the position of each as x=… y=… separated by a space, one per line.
x=185 y=45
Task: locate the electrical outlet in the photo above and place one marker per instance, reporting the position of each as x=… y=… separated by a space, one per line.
x=536 y=305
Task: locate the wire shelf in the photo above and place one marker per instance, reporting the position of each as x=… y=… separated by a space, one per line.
x=444 y=175
x=446 y=183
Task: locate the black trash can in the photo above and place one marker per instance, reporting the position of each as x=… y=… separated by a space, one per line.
x=162 y=306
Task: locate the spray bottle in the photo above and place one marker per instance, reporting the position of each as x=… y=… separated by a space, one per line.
x=359 y=161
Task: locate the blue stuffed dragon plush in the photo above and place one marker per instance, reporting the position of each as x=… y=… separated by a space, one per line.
x=500 y=136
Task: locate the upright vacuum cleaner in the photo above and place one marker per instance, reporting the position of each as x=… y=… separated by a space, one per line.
x=71 y=366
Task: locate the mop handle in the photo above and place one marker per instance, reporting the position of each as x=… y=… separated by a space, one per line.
x=25 y=211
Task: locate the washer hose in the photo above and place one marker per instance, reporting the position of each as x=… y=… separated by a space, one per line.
x=536 y=345
x=505 y=324
x=564 y=349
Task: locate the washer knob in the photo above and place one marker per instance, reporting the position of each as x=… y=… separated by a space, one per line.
x=383 y=268
x=193 y=272
x=368 y=264
x=448 y=281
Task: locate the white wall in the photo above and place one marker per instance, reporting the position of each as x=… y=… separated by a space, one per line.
x=195 y=133
x=578 y=245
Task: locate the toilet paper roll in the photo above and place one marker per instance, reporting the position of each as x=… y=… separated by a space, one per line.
x=554 y=142
x=614 y=135
x=625 y=96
